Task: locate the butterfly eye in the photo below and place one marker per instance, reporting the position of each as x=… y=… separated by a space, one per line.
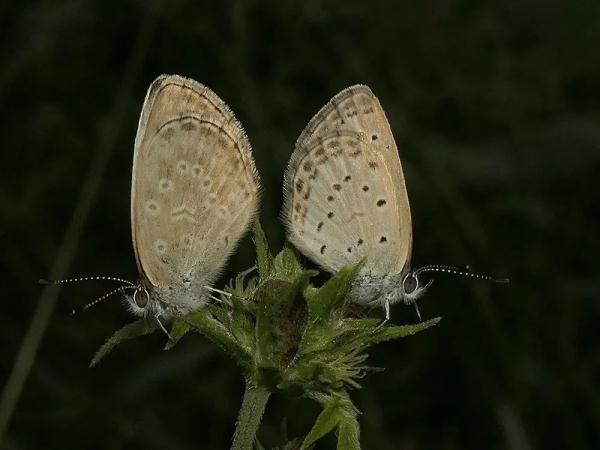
x=141 y=299
x=410 y=283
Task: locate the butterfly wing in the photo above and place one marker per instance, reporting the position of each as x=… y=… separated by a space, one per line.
x=194 y=184
x=345 y=195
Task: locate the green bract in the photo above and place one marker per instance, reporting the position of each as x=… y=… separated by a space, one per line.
x=287 y=335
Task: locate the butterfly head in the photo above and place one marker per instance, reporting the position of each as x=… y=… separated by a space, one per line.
x=413 y=284
x=412 y=287
x=149 y=302
x=140 y=302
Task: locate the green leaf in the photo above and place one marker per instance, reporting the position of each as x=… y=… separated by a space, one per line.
x=348 y=433
x=263 y=254
x=220 y=312
x=398 y=331
x=242 y=323
x=280 y=318
x=325 y=423
x=322 y=302
x=354 y=335
x=338 y=411
x=242 y=286
x=206 y=324
x=360 y=324
x=272 y=298
x=286 y=264
x=130 y=331
x=322 y=329
x=178 y=330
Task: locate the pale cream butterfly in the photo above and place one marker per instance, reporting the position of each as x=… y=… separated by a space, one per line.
x=345 y=199
x=194 y=192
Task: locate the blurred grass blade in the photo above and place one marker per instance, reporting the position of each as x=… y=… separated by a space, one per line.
x=130 y=331
x=46 y=304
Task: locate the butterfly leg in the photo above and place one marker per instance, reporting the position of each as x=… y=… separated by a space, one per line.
x=416 y=305
x=387 y=309
x=242 y=276
x=216 y=299
x=386 y=305
x=219 y=291
x=162 y=327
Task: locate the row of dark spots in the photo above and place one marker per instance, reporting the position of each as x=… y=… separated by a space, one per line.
x=338 y=187
x=381 y=202
x=330 y=214
x=360 y=242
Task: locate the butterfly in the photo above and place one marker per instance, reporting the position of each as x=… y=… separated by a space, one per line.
x=345 y=199
x=194 y=192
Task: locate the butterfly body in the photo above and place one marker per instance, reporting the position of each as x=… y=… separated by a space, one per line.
x=194 y=192
x=345 y=198
x=175 y=300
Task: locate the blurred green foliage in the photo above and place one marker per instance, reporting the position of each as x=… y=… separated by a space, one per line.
x=495 y=107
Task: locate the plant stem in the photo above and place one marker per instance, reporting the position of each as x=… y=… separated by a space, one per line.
x=251 y=412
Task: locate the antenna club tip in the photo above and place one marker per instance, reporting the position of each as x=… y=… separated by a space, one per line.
x=44 y=281
x=502 y=280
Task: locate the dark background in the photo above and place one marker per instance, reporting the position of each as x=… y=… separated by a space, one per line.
x=495 y=107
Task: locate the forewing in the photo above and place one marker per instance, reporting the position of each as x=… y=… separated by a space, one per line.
x=194 y=184
x=345 y=195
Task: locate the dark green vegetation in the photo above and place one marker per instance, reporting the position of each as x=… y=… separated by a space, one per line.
x=496 y=110
x=287 y=337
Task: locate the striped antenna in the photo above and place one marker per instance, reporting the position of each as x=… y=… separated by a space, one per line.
x=463 y=272
x=101 y=298
x=77 y=280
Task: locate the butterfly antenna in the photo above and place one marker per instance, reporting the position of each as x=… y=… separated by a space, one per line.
x=101 y=298
x=78 y=280
x=460 y=271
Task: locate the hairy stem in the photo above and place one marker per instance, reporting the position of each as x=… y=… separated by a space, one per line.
x=251 y=412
